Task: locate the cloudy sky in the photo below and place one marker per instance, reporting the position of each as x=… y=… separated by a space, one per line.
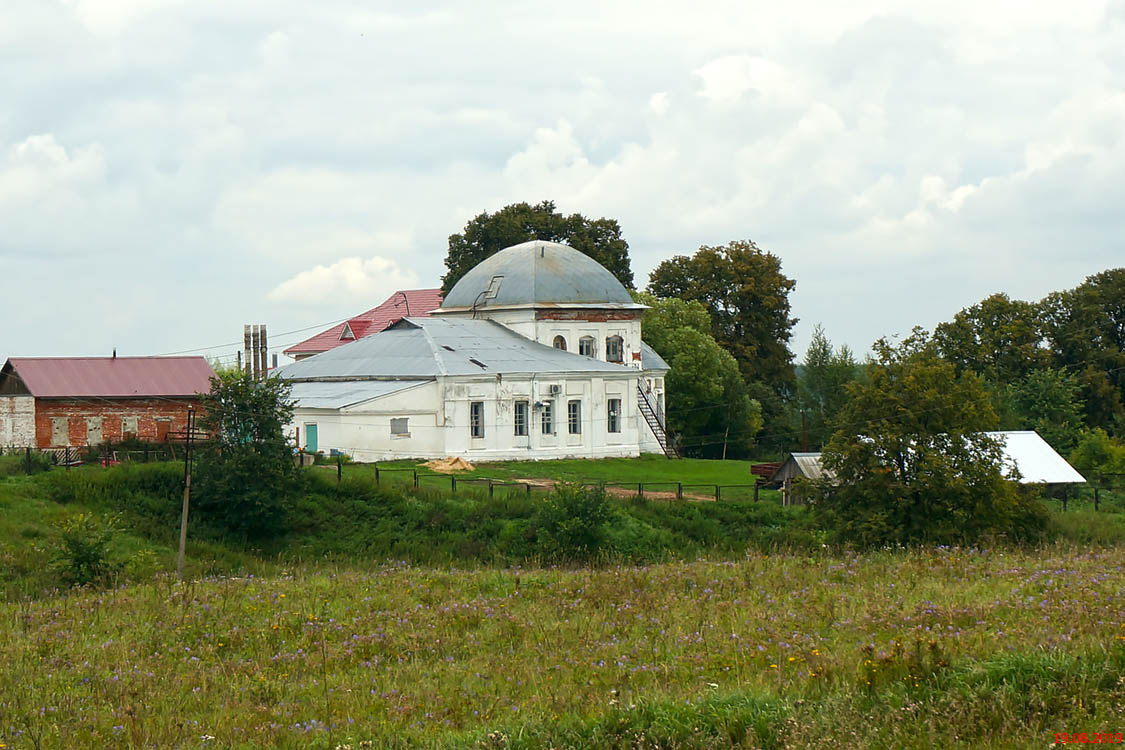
x=172 y=169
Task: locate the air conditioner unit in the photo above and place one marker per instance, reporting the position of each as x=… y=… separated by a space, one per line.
x=555 y=389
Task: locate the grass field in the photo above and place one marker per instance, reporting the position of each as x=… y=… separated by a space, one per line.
x=927 y=648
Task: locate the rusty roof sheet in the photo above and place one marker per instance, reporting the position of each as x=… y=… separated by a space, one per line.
x=417 y=303
x=110 y=377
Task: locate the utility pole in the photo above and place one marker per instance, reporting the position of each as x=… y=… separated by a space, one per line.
x=187 y=493
x=804 y=432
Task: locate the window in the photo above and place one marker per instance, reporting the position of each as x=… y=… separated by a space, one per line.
x=547 y=418
x=129 y=426
x=574 y=417
x=586 y=346
x=613 y=415
x=476 y=419
x=400 y=426
x=520 y=418
x=493 y=287
x=614 y=349
x=559 y=343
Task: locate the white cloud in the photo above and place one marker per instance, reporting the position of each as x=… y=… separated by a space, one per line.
x=659 y=102
x=348 y=280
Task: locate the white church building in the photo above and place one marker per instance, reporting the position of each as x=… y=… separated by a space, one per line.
x=535 y=353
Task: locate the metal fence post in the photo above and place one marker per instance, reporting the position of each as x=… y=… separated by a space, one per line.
x=641 y=490
x=453 y=485
x=339 y=468
x=376 y=474
x=490 y=488
x=718 y=493
x=415 y=479
x=679 y=490
x=27 y=458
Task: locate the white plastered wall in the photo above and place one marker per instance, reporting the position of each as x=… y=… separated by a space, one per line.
x=17 y=421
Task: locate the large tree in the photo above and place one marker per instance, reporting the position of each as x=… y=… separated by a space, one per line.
x=911 y=460
x=822 y=385
x=999 y=338
x=747 y=296
x=1085 y=328
x=710 y=412
x=487 y=233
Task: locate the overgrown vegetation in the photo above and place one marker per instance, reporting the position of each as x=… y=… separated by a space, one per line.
x=930 y=647
x=911 y=462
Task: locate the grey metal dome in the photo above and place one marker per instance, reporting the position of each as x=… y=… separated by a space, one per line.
x=534 y=273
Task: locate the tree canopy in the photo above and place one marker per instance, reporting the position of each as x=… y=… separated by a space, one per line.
x=246 y=474
x=999 y=338
x=911 y=460
x=747 y=296
x=709 y=409
x=488 y=233
x=821 y=385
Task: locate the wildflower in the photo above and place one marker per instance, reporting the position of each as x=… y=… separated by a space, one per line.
x=773 y=666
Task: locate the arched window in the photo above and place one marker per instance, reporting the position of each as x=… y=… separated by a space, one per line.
x=586 y=346
x=615 y=349
x=560 y=343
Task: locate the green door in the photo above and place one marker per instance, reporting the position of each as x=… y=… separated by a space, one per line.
x=310 y=438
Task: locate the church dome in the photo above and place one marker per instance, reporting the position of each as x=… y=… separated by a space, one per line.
x=538 y=273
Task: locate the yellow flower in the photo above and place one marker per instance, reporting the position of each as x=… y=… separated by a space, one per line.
x=791 y=658
x=773 y=666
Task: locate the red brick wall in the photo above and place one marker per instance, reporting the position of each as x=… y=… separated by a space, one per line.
x=591 y=316
x=152 y=417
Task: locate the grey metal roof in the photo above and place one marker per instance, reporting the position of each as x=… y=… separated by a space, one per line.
x=1023 y=450
x=650 y=360
x=801 y=465
x=428 y=347
x=538 y=272
x=337 y=394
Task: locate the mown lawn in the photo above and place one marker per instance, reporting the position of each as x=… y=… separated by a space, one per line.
x=925 y=648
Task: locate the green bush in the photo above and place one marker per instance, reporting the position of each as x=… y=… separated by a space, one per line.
x=82 y=556
x=572 y=522
x=15 y=464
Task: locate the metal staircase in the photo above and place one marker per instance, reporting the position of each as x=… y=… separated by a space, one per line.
x=655 y=418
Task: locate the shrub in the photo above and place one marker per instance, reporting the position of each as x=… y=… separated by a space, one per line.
x=572 y=523
x=82 y=556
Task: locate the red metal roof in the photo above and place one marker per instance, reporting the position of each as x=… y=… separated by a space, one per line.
x=417 y=303
x=106 y=377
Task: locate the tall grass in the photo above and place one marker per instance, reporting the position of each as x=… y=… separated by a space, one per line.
x=923 y=648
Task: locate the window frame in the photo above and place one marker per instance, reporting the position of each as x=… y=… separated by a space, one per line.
x=476 y=420
x=615 y=345
x=574 y=416
x=404 y=422
x=559 y=339
x=520 y=426
x=613 y=415
x=547 y=417
x=590 y=344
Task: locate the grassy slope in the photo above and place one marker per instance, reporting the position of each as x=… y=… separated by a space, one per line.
x=770 y=651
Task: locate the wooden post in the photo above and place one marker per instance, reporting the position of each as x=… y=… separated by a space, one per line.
x=255 y=352
x=641 y=490
x=453 y=485
x=376 y=475
x=490 y=488
x=415 y=479
x=187 y=494
x=528 y=488
x=27 y=459
x=339 y=468
x=246 y=360
x=263 y=356
x=679 y=490
x=718 y=493
x=1095 y=497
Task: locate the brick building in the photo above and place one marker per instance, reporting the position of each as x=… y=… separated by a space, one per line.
x=60 y=402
